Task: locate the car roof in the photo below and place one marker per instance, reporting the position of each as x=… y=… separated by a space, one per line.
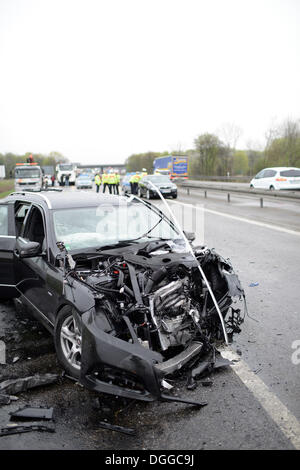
x=281 y=168
x=67 y=199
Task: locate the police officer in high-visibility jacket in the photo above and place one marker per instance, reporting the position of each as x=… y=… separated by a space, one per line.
x=134 y=183
x=111 y=182
x=97 y=182
x=105 y=181
x=131 y=181
x=117 y=182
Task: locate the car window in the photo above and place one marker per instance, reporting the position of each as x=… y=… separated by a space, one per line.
x=34 y=226
x=3 y=220
x=21 y=210
x=269 y=173
x=260 y=174
x=288 y=173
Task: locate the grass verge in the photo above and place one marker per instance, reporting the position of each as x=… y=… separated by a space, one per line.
x=6 y=187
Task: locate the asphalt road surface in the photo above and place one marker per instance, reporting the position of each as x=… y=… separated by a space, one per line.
x=253 y=404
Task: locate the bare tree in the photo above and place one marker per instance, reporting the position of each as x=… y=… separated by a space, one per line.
x=230 y=133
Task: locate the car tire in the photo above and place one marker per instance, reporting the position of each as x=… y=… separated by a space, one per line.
x=251 y=186
x=272 y=188
x=148 y=195
x=174 y=196
x=67 y=341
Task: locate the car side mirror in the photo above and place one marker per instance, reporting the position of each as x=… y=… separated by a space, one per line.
x=190 y=236
x=27 y=249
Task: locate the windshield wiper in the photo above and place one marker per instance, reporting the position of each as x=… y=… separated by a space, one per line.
x=115 y=244
x=146 y=233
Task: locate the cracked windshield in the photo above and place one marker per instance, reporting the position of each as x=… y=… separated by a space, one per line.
x=108 y=224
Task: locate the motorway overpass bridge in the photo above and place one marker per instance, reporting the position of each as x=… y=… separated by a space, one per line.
x=101 y=167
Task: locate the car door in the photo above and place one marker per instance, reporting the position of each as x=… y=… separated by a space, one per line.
x=258 y=179
x=268 y=179
x=40 y=283
x=7 y=245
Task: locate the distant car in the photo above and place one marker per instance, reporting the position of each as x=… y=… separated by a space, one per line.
x=166 y=187
x=277 y=178
x=125 y=185
x=84 y=181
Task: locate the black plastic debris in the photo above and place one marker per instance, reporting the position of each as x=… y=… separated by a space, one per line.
x=114 y=427
x=16 y=429
x=13 y=386
x=221 y=362
x=201 y=368
x=6 y=399
x=206 y=383
x=32 y=414
x=171 y=398
x=191 y=383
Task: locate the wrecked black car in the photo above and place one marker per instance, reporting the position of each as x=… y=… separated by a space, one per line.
x=111 y=279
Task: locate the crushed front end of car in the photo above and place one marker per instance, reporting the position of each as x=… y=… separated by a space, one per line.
x=153 y=315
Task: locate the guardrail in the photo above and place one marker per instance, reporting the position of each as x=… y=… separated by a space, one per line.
x=229 y=188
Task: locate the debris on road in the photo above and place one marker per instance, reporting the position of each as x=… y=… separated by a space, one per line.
x=254 y=284
x=114 y=427
x=14 y=386
x=6 y=399
x=206 y=383
x=32 y=413
x=16 y=429
x=171 y=398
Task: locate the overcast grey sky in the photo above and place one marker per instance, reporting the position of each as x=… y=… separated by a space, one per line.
x=99 y=80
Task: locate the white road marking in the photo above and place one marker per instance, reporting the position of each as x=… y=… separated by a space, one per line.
x=285 y=420
x=241 y=219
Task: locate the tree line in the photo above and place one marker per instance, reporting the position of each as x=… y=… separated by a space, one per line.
x=216 y=156
x=9 y=160
x=212 y=155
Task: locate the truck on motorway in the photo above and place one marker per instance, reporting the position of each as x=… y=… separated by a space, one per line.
x=64 y=169
x=175 y=166
x=28 y=176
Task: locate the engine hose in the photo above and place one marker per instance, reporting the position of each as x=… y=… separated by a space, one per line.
x=155 y=278
x=135 y=286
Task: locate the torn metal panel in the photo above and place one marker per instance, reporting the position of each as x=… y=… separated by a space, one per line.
x=17 y=429
x=14 y=386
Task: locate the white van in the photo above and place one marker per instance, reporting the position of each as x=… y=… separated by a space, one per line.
x=277 y=178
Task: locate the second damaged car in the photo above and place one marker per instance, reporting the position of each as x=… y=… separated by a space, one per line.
x=112 y=280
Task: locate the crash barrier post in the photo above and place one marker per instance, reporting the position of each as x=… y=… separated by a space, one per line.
x=2 y=352
x=228 y=197
x=261 y=202
x=205 y=194
x=188 y=191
